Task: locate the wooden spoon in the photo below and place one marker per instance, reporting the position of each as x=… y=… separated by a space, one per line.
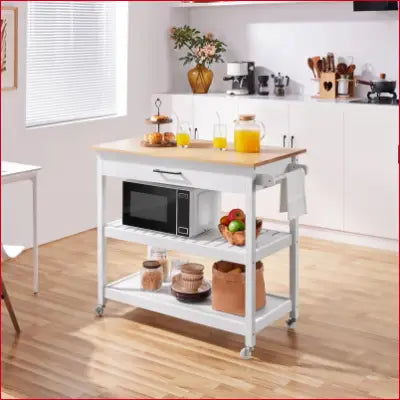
x=310 y=63
x=333 y=68
x=351 y=69
x=324 y=65
x=341 y=69
x=319 y=68
x=315 y=61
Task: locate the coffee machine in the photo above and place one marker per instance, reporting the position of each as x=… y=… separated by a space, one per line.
x=242 y=76
x=280 y=84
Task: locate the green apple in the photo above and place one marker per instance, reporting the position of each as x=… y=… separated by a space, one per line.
x=236 y=225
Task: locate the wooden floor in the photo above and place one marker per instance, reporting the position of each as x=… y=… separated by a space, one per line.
x=345 y=343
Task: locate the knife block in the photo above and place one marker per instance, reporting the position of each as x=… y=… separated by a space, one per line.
x=327 y=85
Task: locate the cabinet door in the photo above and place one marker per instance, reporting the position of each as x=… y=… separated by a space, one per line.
x=182 y=106
x=205 y=109
x=318 y=127
x=371 y=170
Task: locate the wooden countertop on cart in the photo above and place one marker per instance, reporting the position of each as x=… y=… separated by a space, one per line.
x=201 y=151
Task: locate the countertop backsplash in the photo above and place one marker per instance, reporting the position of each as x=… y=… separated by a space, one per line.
x=280 y=37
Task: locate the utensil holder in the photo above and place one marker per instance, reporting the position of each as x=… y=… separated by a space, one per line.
x=315 y=84
x=343 y=87
x=352 y=85
x=327 y=87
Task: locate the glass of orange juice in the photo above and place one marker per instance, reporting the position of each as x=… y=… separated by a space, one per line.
x=220 y=141
x=183 y=135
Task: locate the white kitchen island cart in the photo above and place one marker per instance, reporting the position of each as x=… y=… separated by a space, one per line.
x=200 y=166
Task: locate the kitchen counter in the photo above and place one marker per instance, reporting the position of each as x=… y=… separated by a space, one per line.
x=202 y=151
x=290 y=98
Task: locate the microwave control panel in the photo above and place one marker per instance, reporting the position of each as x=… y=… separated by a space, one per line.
x=183 y=205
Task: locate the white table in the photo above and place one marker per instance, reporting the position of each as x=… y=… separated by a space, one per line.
x=200 y=166
x=14 y=172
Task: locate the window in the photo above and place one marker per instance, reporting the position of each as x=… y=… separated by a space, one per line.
x=76 y=61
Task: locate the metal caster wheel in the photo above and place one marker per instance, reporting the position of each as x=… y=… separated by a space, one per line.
x=291 y=323
x=246 y=352
x=99 y=310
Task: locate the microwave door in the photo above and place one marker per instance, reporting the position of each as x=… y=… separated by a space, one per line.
x=149 y=207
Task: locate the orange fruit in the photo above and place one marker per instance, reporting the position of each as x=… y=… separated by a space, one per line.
x=224 y=220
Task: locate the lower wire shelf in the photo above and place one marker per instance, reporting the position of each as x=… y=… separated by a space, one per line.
x=128 y=291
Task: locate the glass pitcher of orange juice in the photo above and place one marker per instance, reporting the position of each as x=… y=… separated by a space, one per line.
x=248 y=134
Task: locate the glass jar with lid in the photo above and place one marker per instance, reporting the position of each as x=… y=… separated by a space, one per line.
x=151 y=276
x=248 y=134
x=159 y=254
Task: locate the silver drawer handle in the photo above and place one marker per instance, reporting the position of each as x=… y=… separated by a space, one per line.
x=160 y=171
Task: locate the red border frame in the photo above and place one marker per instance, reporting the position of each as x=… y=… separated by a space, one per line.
x=208 y=1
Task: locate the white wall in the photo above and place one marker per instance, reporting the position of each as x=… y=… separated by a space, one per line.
x=280 y=37
x=67 y=192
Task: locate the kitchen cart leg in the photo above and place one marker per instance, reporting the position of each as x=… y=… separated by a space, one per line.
x=294 y=273
x=101 y=239
x=250 y=309
x=35 y=238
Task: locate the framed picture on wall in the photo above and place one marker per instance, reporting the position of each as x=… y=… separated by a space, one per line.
x=9 y=48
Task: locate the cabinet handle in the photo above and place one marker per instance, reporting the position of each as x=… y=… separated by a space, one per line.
x=284 y=140
x=160 y=171
x=292 y=142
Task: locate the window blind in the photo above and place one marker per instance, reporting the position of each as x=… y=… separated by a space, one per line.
x=71 y=61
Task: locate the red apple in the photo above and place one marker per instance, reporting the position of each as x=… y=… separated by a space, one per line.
x=224 y=220
x=237 y=214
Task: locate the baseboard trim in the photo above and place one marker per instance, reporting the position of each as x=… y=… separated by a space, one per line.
x=338 y=236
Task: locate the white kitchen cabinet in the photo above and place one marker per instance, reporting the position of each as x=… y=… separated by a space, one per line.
x=205 y=109
x=319 y=127
x=182 y=106
x=371 y=170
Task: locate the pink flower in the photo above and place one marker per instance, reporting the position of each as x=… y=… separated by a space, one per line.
x=209 y=36
x=172 y=30
x=210 y=50
x=213 y=50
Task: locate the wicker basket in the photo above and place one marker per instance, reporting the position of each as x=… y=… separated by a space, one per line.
x=238 y=238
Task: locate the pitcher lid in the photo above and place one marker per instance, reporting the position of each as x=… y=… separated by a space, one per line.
x=247 y=117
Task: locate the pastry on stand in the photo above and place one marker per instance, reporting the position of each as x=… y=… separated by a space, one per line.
x=158 y=139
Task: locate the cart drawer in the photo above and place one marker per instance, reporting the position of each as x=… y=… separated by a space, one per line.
x=169 y=175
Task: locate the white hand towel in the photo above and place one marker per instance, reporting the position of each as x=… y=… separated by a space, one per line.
x=293 y=196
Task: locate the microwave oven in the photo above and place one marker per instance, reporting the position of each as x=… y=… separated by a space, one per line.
x=170 y=209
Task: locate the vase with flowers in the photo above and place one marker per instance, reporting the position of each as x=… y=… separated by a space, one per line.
x=201 y=49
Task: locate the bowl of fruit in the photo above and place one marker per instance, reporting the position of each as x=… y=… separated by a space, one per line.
x=233 y=227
